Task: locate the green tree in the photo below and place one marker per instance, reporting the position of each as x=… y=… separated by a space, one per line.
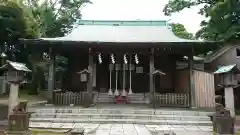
x=224 y=18
x=55 y=18
x=16 y=21
x=180 y=31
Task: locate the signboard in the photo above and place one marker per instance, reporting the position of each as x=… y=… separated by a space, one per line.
x=139 y=70
x=83 y=77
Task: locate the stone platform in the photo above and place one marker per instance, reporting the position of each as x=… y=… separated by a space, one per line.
x=122 y=120
x=125 y=129
x=120 y=116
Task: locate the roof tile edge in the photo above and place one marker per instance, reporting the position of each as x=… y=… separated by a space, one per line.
x=124 y=22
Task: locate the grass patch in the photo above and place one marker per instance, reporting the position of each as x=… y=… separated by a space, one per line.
x=49 y=131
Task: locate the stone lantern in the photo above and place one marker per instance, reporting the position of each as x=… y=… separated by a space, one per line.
x=3 y=57
x=15 y=76
x=227 y=77
x=18 y=118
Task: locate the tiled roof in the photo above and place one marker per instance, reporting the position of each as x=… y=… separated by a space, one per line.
x=122 y=31
x=19 y=66
x=225 y=69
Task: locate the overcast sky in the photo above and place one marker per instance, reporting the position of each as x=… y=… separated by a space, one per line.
x=140 y=9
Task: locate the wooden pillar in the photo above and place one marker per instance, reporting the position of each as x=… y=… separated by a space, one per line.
x=151 y=77
x=90 y=79
x=51 y=77
x=191 y=80
x=174 y=67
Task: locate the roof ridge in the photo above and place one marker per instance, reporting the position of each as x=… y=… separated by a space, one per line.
x=124 y=22
x=216 y=54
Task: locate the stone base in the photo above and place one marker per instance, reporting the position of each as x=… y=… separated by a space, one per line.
x=28 y=132
x=87 y=102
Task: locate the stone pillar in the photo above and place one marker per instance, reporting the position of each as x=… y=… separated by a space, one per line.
x=191 y=79
x=229 y=100
x=151 y=81
x=51 y=77
x=13 y=97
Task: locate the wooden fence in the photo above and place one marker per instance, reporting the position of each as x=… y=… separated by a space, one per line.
x=67 y=98
x=173 y=99
x=204 y=89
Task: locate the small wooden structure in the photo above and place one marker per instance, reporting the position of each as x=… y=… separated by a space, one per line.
x=84 y=75
x=227 y=77
x=100 y=46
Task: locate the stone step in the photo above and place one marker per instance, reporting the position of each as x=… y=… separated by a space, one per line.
x=105 y=101
x=118 y=111
x=131 y=95
x=138 y=102
x=109 y=97
x=121 y=121
x=126 y=127
x=119 y=116
x=130 y=98
x=135 y=97
x=105 y=98
x=112 y=101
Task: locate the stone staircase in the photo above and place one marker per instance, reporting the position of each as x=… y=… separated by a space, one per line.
x=119 y=116
x=138 y=98
x=132 y=98
x=104 y=98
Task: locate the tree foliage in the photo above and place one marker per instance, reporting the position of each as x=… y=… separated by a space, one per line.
x=16 y=21
x=34 y=19
x=180 y=31
x=224 y=18
x=56 y=17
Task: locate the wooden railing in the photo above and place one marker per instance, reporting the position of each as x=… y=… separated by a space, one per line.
x=173 y=99
x=68 y=98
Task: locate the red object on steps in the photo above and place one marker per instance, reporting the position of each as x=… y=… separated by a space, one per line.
x=120 y=99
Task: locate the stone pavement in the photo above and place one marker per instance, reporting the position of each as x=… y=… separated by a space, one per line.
x=129 y=129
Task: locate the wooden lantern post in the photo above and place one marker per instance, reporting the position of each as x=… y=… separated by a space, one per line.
x=155 y=73
x=85 y=77
x=228 y=80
